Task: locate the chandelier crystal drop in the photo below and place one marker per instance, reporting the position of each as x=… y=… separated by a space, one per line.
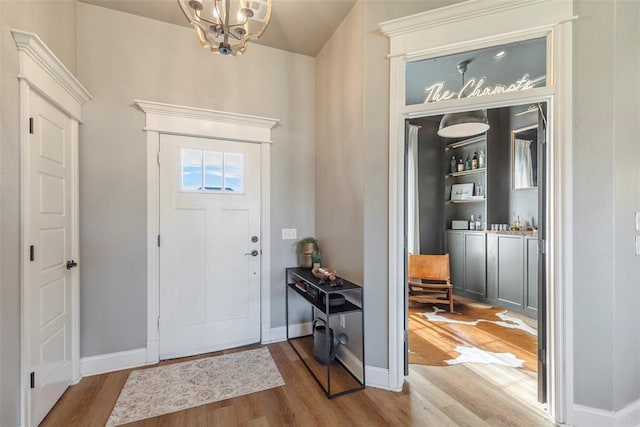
x=226 y=26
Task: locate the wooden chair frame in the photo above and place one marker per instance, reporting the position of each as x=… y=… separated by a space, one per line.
x=430 y=279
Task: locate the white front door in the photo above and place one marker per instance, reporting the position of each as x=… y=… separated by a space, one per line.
x=209 y=245
x=48 y=281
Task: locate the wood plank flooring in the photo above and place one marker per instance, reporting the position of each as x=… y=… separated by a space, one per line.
x=462 y=395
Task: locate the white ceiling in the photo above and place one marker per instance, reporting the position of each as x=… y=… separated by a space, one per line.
x=301 y=26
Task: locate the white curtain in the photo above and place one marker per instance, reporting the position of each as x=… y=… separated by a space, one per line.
x=522 y=166
x=413 y=205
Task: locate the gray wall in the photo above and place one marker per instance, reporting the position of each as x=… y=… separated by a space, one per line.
x=606 y=192
x=504 y=201
x=430 y=188
x=150 y=60
x=56 y=24
x=340 y=143
x=339 y=159
x=352 y=141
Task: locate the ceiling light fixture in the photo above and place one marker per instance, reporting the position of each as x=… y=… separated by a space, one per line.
x=464 y=124
x=226 y=26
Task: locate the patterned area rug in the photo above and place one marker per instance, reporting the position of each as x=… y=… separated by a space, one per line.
x=475 y=333
x=175 y=387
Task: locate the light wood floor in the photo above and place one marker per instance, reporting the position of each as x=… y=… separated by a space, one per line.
x=432 y=396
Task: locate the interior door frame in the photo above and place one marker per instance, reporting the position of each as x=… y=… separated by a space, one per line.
x=42 y=73
x=161 y=118
x=463 y=27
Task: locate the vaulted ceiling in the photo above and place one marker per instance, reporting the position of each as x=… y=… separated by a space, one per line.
x=300 y=26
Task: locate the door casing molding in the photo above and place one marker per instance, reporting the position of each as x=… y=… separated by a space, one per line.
x=43 y=73
x=163 y=118
x=463 y=27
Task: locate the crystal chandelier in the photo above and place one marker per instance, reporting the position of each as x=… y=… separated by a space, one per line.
x=226 y=26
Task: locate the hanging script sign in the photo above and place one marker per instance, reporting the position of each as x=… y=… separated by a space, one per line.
x=475 y=87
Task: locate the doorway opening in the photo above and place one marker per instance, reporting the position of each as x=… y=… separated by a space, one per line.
x=464 y=28
x=480 y=200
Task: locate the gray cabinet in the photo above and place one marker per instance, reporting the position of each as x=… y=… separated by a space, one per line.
x=467 y=255
x=531 y=246
x=455 y=248
x=512 y=272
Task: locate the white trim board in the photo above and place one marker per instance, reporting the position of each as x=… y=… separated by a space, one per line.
x=375 y=377
x=104 y=363
x=297 y=330
x=45 y=73
x=629 y=416
x=468 y=26
x=379 y=378
x=163 y=118
x=113 y=362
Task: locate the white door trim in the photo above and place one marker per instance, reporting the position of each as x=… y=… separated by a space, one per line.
x=466 y=26
x=163 y=118
x=43 y=73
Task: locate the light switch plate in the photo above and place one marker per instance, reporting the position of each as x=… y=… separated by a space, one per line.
x=289 y=234
x=637 y=221
x=637 y=245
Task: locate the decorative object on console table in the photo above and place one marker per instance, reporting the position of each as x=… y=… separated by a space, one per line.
x=324 y=274
x=316 y=259
x=306 y=248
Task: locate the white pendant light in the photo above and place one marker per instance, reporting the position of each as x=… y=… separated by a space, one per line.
x=464 y=124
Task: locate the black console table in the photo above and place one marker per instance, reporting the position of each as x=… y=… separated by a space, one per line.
x=335 y=378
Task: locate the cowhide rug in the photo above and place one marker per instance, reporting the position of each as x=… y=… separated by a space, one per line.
x=475 y=333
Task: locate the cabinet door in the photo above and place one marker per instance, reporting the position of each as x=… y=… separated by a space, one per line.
x=455 y=248
x=475 y=273
x=492 y=266
x=532 y=274
x=510 y=270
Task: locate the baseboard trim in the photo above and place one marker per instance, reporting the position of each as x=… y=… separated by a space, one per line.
x=378 y=378
x=103 y=363
x=280 y=334
x=629 y=416
x=350 y=361
x=375 y=377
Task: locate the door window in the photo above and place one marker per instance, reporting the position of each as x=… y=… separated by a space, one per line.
x=211 y=171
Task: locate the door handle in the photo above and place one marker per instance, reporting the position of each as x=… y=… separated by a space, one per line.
x=252 y=253
x=71 y=264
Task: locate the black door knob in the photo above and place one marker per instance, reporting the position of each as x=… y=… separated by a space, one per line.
x=71 y=264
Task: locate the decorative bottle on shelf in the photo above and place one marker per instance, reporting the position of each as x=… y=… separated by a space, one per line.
x=454 y=164
x=472 y=223
x=479 y=223
x=467 y=163
x=474 y=161
x=481 y=160
x=460 y=164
